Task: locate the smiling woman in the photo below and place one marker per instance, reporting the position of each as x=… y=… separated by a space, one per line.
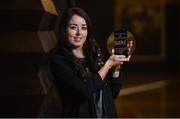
x=86 y=88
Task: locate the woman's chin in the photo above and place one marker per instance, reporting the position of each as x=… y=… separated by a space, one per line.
x=77 y=45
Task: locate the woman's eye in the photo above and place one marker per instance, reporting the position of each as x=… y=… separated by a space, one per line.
x=72 y=27
x=84 y=28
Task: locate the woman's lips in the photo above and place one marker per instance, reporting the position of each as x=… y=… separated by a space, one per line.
x=77 y=39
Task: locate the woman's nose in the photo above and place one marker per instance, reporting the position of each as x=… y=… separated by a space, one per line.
x=78 y=32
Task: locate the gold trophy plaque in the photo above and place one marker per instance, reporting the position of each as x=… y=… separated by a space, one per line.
x=121 y=42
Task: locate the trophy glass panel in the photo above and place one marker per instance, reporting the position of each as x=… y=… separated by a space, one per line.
x=112 y=44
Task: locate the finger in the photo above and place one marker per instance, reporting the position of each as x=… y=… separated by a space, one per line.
x=112 y=51
x=122 y=60
x=131 y=42
x=120 y=56
x=125 y=59
x=129 y=57
x=129 y=49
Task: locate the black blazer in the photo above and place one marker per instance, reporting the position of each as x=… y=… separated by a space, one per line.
x=76 y=94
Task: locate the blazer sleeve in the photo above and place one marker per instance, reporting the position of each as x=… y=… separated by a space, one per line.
x=68 y=81
x=115 y=84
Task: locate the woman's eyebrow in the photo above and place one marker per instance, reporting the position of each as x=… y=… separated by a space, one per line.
x=84 y=24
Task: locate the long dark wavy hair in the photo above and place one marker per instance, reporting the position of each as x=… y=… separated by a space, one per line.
x=90 y=47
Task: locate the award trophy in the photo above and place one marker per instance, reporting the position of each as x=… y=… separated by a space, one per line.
x=121 y=42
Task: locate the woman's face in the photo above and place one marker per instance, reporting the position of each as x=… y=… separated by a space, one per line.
x=76 y=32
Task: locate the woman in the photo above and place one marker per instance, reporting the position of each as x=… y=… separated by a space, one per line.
x=86 y=89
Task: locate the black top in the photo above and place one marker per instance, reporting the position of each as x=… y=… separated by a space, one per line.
x=97 y=96
x=84 y=97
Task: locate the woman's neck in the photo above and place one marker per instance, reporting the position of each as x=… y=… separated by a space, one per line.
x=78 y=52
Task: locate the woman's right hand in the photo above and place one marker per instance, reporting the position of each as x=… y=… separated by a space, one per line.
x=113 y=61
x=117 y=60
